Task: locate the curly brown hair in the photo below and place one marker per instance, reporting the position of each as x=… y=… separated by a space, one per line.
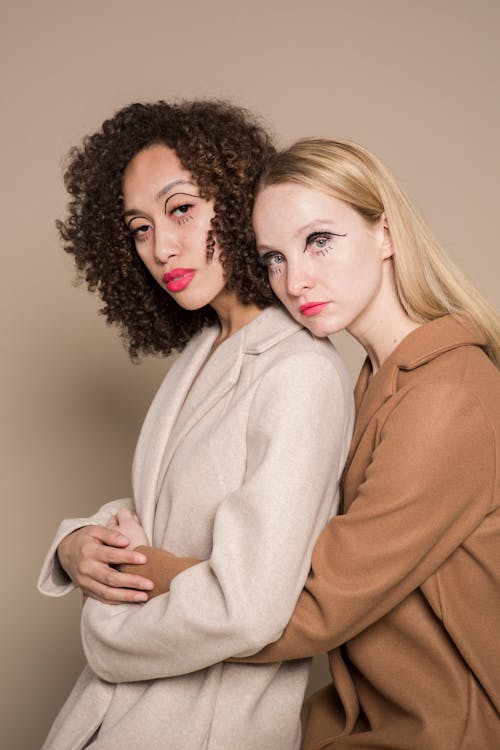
x=225 y=149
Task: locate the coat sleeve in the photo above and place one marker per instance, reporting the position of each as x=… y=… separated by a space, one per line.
x=242 y=597
x=53 y=580
x=429 y=486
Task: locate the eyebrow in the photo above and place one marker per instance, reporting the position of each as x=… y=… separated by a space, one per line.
x=168 y=187
x=308 y=227
x=266 y=249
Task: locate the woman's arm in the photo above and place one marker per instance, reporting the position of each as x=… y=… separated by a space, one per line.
x=160 y=566
x=262 y=538
x=429 y=487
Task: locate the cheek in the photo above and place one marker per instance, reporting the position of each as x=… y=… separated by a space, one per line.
x=146 y=256
x=370 y=271
x=275 y=275
x=140 y=251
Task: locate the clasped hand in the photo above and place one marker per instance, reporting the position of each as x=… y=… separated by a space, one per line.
x=91 y=556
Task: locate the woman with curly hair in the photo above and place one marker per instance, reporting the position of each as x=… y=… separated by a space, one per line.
x=238 y=459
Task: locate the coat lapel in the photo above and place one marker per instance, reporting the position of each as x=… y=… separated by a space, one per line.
x=220 y=374
x=369 y=396
x=160 y=421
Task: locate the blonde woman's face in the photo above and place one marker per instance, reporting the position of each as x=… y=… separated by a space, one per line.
x=323 y=258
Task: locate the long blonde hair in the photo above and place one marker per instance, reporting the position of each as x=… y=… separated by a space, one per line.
x=429 y=285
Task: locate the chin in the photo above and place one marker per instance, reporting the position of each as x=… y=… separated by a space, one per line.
x=189 y=306
x=319 y=328
x=192 y=304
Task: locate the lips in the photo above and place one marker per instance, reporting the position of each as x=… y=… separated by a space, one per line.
x=312 y=308
x=178 y=279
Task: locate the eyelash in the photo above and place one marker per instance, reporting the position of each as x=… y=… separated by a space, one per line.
x=267 y=261
x=140 y=233
x=321 y=235
x=184 y=214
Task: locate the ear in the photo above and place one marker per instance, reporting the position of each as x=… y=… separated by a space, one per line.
x=387 y=246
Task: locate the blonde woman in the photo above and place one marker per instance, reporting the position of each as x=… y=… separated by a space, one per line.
x=404 y=589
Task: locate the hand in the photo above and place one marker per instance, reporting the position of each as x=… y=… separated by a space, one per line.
x=88 y=554
x=128 y=524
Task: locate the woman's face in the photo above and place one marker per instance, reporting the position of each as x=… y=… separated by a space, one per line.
x=169 y=223
x=323 y=258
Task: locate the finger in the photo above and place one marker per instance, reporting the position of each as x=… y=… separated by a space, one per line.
x=132 y=581
x=109 y=595
x=93 y=576
x=109 y=536
x=112 y=578
x=117 y=556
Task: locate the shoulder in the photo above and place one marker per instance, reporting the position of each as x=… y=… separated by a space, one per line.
x=301 y=353
x=454 y=386
x=446 y=418
x=303 y=369
x=304 y=381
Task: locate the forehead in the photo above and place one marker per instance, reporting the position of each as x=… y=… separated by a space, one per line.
x=154 y=170
x=292 y=206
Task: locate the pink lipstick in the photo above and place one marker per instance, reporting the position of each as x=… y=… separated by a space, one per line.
x=312 y=308
x=178 y=279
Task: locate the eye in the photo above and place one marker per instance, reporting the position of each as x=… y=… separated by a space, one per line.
x=140 y=232
x=271 y=260
x=321 y=243
x=182 y=210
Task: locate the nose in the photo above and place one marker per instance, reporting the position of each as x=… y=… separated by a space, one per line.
x=298 y=278
x=166 y=245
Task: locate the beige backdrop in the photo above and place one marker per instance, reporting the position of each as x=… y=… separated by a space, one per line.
x=415 y=81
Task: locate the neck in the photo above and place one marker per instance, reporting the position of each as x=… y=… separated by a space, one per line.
x=233 y=315
x=382 y=328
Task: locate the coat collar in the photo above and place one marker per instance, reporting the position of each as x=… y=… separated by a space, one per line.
x=266 y=330
x=222 y=370
x=422 y=345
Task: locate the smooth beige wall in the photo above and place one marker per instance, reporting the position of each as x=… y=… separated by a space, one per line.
x=416 y=82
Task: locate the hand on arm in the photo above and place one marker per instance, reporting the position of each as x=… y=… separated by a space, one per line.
x=88 y=556
x=159 y=566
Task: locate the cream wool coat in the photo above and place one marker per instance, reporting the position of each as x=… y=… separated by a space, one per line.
x=239 y=463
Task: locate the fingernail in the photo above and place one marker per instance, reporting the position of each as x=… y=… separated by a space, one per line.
x=120 y=538
x=139 y=558
x=140 y=597
x=147 y=585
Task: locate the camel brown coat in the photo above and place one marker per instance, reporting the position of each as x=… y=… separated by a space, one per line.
x=404 y=591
